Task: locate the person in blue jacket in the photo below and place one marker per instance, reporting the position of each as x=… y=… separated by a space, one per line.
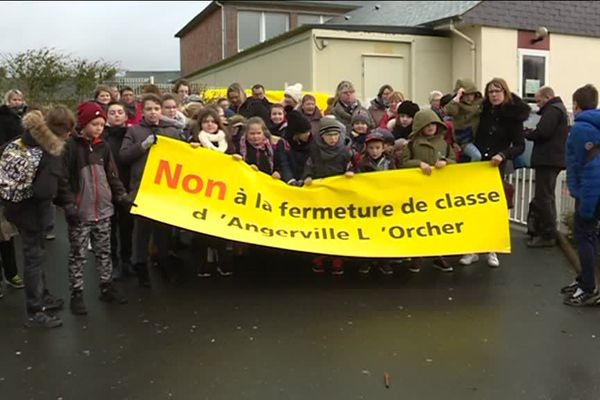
x=583 y=179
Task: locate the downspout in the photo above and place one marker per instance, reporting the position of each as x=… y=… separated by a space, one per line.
x=222 y=29
x=471 y=42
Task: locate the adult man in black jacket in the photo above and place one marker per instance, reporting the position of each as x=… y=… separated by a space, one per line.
x=548 y=159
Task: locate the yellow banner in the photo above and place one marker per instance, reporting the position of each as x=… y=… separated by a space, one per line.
x=457 y=210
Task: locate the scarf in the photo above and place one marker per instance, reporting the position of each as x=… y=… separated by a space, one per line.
x=400 y=132
x=327 y=152
x=265 y=147
x=207 y=139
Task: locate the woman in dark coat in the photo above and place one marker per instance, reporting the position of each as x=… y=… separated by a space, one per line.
x=499 y=135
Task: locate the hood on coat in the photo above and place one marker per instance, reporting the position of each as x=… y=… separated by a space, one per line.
x=468 y=85
x=591 y=117
x=555 y=102
x=424 y=118
x=35 y=124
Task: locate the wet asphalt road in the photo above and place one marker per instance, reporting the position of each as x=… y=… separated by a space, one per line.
x=274 y=331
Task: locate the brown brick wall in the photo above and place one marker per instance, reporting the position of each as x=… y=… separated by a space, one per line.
x=201 y=46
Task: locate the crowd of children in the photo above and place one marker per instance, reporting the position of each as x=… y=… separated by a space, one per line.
x=295 y=141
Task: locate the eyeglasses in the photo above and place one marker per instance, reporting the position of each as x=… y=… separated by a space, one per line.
x=494 y=91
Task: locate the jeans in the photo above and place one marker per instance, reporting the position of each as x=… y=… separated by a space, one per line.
x=545 y=202
x=586 y=239
x=143 y=230
x=472 y=152
x=33 y=271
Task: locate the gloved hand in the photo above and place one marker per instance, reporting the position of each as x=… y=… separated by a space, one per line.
x=149 y=141
x=71 y=215
x=126 y=202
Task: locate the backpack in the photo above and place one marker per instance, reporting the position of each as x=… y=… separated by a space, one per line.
x=18 y=167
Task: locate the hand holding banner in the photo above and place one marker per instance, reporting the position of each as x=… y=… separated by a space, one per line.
x=402 y=213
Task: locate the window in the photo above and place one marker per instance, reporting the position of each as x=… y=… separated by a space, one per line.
x=533 y=68
x=255 y=27
x=306 y=19
x=248 y=29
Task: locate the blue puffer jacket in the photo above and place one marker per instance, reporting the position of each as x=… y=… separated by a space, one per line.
x=583 y=178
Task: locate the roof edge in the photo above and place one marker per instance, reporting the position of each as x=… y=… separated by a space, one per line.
x=197 y=19
x=304 y=28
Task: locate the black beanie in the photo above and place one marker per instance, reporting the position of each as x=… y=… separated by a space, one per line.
x=297 y=123
x=408 y=108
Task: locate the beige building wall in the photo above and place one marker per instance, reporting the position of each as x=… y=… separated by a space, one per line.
x=288 y=61
x=461 y=56
x=411 y=64
x=499 y=56
x=574 y=61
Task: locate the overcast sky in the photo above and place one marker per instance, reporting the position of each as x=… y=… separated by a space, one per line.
x=139 y=35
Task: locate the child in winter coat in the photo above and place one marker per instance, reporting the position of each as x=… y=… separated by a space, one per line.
x=134 y=152
x=255 y=147
x=309 y=109
x=465 y=108
x=330 y=155
x=360 y=130
x=93 y=181
x=122 y=221
x=277 y=123
x=213 y=253
x=402 y=126
x=427 y=149
x=292 y=151
x=374 y=159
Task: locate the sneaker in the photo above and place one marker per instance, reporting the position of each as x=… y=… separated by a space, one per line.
x=442 y=265
x=15 y=282
x=50 y=236
x=52 y=302
x=492 y=260
x=415 y=265
x=468 y=259
x=317 y=265
x=42 y=320
x=77 y=305
x=364 y=269
x=337 y=267
x=109 y=293
x=223 y=272
x=539 y=242
x=204 y=274
x=582 y=299
x=570 y=288
x=386 y=270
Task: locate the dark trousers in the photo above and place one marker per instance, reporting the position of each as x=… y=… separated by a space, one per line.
x=143 y=230
x=9 y=262
x=586 y=239
x=221 y=251
x=545 y=201
x=121 y=233
x=33 y=271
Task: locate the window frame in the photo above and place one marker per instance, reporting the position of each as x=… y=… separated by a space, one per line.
x=536 y=53
x=262 y=25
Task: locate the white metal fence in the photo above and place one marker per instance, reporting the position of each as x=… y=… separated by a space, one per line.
x=523 y=180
